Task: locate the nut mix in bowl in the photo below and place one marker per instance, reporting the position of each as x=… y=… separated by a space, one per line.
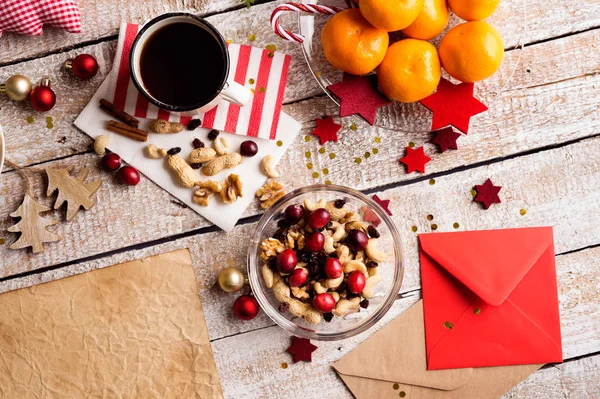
x=325 y=262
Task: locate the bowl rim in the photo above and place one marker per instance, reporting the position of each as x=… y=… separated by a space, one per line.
x=254 y=274
x=2 y=148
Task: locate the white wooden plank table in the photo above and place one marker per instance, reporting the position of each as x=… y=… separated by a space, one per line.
x=539 y=141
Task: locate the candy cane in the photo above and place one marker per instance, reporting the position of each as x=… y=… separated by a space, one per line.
x=298 y=7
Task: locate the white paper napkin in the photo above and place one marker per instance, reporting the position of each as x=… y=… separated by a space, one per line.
x=93 y=121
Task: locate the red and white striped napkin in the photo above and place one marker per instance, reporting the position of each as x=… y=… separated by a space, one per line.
x=28 y=16
x=259 y=118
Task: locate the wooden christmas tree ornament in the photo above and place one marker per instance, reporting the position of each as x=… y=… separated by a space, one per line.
x=72 y=190
x=33 y=227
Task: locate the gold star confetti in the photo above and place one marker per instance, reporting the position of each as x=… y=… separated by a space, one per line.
x=456 y=225
x=473 y=193
x=270 y=54
x=50 y=125
x=30 y=119
x=325 y=171
x=523 y=212
x=262 y=89
x=327 y=181
x=430 y=217
x=332 y=156
x=448 y=325
x=318 y=74
x=307 y=138
x=321 y=150
x=431 y=182
x=358 y=160
x=367 y=154
x=414 y=229
x=252 y=37
x=229 y=41
x=279 y=143
x=402 y=394
x=252 y=91
x=251 y=81
x=411 y=144
x=307 y=154
x=377 y=140
x=315 y=174
x=48 y=119
x=309 y=165
x=374 y=151
x=396 y=387
x=353 y=127
x=476 y=310
x=271 y=47
x=2 y=241
x=434 y=227
x=284 y=365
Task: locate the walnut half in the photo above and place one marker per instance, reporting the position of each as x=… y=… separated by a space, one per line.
x=269 y=193
x=232 y=189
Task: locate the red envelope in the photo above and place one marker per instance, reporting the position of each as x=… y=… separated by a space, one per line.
x=490 y=298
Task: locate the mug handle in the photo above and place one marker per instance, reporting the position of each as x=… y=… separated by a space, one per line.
x=236 y=94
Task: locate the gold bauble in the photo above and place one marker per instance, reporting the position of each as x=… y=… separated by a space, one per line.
x=17 y=87
x=231 y=279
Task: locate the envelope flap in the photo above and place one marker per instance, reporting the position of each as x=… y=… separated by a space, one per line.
x=396 y=353
x=491 y=263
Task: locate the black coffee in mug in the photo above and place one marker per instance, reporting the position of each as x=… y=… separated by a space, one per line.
x=183 y=64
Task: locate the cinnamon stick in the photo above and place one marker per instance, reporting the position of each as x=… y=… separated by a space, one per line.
x=128 y=131
x=123 y=116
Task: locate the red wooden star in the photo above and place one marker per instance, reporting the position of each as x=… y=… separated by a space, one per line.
x=415 y=159
x=359 y=95
x=446 y=138
x=302 y=349
x=487 y=193
x=385 y=204
x=453 y=105
x=327 y=130
x=369 y=216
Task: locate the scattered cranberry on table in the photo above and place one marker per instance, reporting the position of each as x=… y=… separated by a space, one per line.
x=298 y=277
x=294 y=214
x=333 y=268
x=111 y=162
x=248 y=148
x=318 y=218
x=129 y=175
x=324 y=303
x=356 y=282
x=246 y=307
x=286 y=261
x=358 y=240
x=314 y=241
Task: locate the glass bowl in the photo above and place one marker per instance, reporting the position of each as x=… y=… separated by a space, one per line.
x=385 y=292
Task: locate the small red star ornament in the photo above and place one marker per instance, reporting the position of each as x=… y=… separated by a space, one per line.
x=487 y=193
x=446 y=138
x=302 y=349
x=453 y=105
x=415 y=159
x=385 y=204
x=327 y=130
x=359 y=95
x=369 y=216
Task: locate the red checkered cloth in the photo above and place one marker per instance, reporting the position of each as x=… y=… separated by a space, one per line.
x=27 y=16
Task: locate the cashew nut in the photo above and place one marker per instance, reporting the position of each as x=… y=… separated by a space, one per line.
x=311 y=206
x=328 y=246
x=268 y=165
x=353 y=265
x=360 y=256
x=340 y=232
x=333 y=283
x=372 y=281
x=217 y=164
x=335 y=296
x=154 y=152
x=319 y=289
x=343 y=253
x=345 y=306
x=100 y=144
x=375 y=253
x=267 y=274
x=221 y=145
x=336 y=213
x=356 y=225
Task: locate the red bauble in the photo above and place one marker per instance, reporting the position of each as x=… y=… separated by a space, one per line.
x=111 y=162
x=245 y=307
x=129 y=175
x=42 y=98
x=84 y=66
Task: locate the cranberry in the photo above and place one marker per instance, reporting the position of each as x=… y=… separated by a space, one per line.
x=294 y=213
x=129 y=175
x=357 y=240
x=248 y=148
x=324 y=303
x=314 y=241
x=111 y=162
x=333 y=268
x=356 y=282
x=286 y=261
x=298 y=277
x=318 y=218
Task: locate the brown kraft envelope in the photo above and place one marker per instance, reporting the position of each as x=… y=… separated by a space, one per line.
x=392 y=364
x=134 y=330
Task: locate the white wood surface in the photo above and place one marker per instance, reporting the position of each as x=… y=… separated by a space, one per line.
x=546 y=122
